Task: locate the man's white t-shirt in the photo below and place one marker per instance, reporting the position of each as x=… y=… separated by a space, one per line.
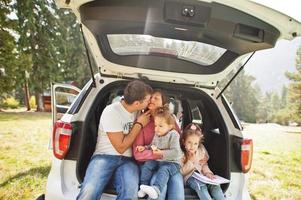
x=114 y=118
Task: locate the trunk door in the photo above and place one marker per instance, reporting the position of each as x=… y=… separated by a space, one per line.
x=190 y=42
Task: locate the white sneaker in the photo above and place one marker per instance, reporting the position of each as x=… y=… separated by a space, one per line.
x=150 y=191
x=141 y=193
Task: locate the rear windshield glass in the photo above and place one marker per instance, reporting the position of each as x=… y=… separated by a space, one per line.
x=133 y=44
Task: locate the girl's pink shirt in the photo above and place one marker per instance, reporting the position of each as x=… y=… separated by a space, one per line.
x=144 y=138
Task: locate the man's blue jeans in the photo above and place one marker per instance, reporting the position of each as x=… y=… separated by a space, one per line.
x=164 y=169
x=101 y=169
x=204 y=190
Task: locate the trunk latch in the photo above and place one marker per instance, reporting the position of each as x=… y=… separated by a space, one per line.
x=188 y=11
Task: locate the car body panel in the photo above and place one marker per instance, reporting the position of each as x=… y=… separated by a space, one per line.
x=284 y=23
x=237 y=188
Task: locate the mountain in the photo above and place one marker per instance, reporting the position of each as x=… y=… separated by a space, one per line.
x=269 y=66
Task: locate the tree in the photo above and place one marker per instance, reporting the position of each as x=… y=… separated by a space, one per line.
x=244 y=96
x=283 y=116
x=72 y=55
x=294 y=93
x=35 y=27
x=269 y=105
x=8 y=62
x=263 y=114
x=51 y=40
x=287 y=107
x=284 y=97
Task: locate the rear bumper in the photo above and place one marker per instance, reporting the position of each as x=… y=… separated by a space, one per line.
x=54 y=188
x=62 y=183
x=238 y=188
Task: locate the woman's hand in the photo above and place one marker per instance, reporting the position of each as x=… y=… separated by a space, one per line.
x=140 y=148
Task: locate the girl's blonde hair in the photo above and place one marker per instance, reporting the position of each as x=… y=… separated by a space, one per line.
x=191 y=129
x=163 y=112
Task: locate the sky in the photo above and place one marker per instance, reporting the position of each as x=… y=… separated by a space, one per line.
x=269 y=66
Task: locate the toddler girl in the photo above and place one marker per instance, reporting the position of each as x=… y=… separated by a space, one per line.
x=166 y=143
x=195 y=159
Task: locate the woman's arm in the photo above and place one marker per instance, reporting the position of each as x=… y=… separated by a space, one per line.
x=146 y=154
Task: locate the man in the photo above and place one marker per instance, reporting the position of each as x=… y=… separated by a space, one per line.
x=113 y=154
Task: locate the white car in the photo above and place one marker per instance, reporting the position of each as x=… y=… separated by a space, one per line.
x=183 y=47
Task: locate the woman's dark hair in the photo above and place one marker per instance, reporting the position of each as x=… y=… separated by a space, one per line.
x=163 y=96
x=191 y=129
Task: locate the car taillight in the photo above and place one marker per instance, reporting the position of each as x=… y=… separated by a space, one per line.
x=61 y=139
x=246 y=155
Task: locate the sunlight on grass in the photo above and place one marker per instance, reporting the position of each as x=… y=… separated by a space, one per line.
x=23 y=116
x=276 y=169
x=24 y=158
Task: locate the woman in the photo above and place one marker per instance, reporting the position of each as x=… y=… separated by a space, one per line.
x=175 y=186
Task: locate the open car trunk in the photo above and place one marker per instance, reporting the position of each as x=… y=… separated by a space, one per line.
x=161 y=41
x=190 y=105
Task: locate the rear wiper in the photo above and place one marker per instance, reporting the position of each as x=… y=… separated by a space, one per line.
x=239 y=70
x=87 y=52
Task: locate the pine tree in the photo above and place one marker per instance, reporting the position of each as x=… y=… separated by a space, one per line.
x=50 y=39
x=294 y=87
x=244 y=96
x=36 y=31
x=72 y=55
x=263 y=113
x=8 y=62
x=284 y=97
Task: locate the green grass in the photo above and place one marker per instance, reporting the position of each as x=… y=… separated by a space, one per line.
x=9 y=116
x=25 y=158
x=276 y=168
